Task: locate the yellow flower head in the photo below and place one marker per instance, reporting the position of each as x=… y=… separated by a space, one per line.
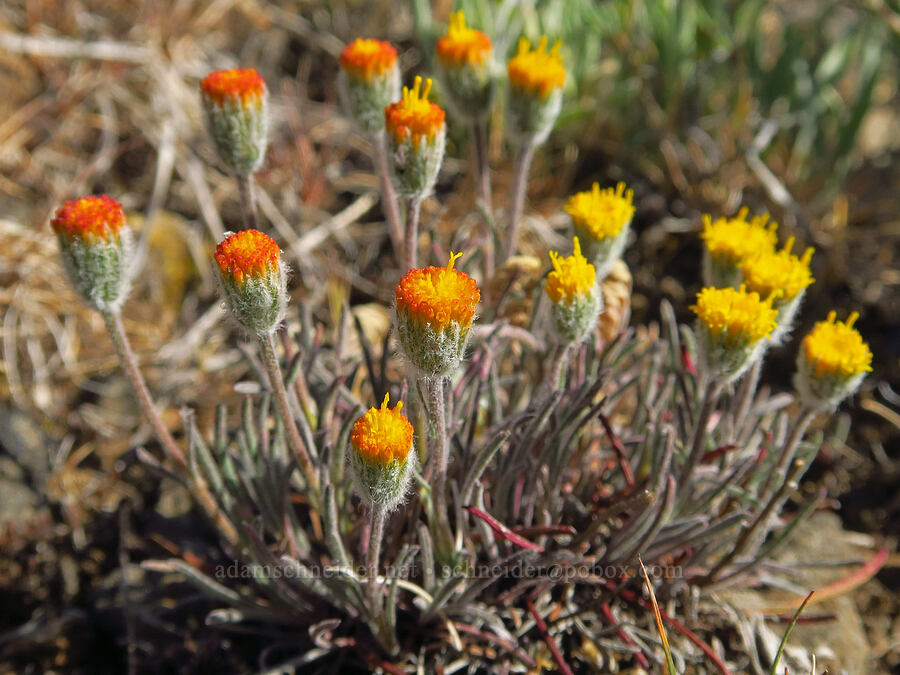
x=736 y=318
x=571 y=278
x=439 y=295
x=365 y=59
x=735 y=239
x=778 y=273
x=382 y=436
x=463 y=45
x=537 y=72
x=414 y=116
x=835 y=348
x=603 y=213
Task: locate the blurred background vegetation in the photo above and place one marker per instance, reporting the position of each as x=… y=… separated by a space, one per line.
x=787 y=106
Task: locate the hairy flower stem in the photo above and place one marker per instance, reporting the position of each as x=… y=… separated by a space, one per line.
x=373 y=588
x=517 y=202
x=790 y=446
x=388 y=196
x=483 y=183
x=749 y=531
x=247 y=193
x=441 y=458
x=276 y=381
x=745 y=397
x=412 y=231
x=557 y=373
x=129 y=364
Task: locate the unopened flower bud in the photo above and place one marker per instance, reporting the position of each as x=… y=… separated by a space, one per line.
x=464 y=55
x=577 y=301
x=602 y=220
x=417 y=135
x=96 y=247
x=369 y=81
x=831 y=363
x=435 y=309
x=254 y=280
x=536 y=79
x=381 y=455
x=236 y=107
x=730 y=241
x=732 y=327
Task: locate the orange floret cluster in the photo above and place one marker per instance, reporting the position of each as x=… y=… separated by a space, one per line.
x=463 y=45
x=381 y=435
x=414 y=116
x=243 y=84
x=249 y=253
x=89 y=218
x=537 y=72
x=439 y=295
x=365 y=59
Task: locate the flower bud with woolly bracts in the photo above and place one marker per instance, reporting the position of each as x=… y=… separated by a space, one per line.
x=417 y=135
x=435 y=309
x=96 y=247
x=381 y=455
x=783 y=276
x=729 y=241
x=369 y=81
x=831 y=363
x=236 y=106
x=254 y=280
x=732 y=327
x=577 y=300
x=602 y=220
x=536 y=79
x=464 y=56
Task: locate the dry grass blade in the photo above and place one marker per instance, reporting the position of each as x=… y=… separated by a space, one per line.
x=670 y=664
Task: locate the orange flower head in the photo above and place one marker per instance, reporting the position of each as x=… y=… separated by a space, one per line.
x=90 y=218
x=247 y=254
x=238 y=84
x=365 y=59
x=463 y=45
x=439 y=295
x=383 y=436
x=414 y=116
x=537 y=72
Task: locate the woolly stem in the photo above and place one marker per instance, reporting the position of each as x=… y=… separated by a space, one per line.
x=373 y=588
x=708 y=404
x=441 y=458
x=517 y=202
x=276 y=381
x=483 y=182
x=246 y=191
x=412 y=231
x=790 y=446
x=129 y=365
x=557 y=371
x=388 y=196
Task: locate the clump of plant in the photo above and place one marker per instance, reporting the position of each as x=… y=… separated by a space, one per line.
x=499 y=524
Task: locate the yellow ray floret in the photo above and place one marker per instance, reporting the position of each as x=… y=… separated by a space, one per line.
x=778 y=273
x=603 y=213
x=536 y=72
x=414 y=116
x=463 y=45
x=835 y=348
x=572 y=277
x=382 y=436
x=734 y=239
x=439 y=295
x=735 y=317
